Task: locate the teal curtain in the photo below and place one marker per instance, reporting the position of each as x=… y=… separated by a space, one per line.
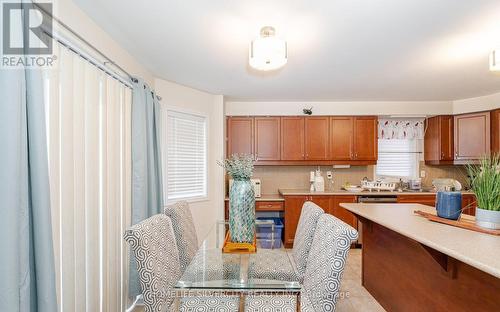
x=147 y=191
x=27 y=275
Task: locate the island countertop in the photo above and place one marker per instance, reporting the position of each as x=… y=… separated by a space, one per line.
x=479 y=250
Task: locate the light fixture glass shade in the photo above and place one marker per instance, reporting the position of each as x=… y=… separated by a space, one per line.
x=267 y=52
x=495 y=60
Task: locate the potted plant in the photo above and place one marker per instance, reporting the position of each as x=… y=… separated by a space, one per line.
x=241 y=198
x=485 y=183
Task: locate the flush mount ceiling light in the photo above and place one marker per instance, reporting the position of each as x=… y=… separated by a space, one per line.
x=495 y=60
x=267 y=52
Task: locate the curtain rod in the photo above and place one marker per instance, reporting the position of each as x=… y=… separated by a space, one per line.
x=91 y=60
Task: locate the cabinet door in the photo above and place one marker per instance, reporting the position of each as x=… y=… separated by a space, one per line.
x=495 y=131
x=322 y=200
x=292 y=138
x=429 y=200
x=472 y=136
x=432 y=140
x=293 y=208
x=469 y=204
x=446 y=137
x=317 y=134
x=342 y=213
x=240 y=131
x=341 y=138
x=267 y=138
x=365 y=138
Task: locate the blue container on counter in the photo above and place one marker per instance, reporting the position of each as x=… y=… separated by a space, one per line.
x=449 y=205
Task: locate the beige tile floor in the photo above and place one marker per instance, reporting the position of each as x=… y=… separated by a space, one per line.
x=355 y=297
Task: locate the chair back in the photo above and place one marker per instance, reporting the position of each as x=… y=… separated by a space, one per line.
x=153 y=244
x=304 y=235
x=326 y=262
x=184 y=230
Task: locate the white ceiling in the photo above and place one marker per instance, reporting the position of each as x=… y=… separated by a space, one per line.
x=339 y=50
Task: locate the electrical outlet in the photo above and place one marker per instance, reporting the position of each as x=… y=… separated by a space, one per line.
x=422 y=173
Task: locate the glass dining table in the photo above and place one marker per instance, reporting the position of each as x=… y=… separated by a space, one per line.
x=212 y=272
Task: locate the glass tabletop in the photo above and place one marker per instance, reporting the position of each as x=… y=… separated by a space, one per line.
x=213 y=269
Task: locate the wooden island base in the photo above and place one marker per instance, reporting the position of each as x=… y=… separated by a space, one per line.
x=404 y=275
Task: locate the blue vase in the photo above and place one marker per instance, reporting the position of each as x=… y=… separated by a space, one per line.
x=242 y=211
x=449 y=205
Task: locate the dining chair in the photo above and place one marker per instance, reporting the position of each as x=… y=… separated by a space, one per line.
x=184 y=230
x=268 y=264
x=154 y=246
x=323 y=274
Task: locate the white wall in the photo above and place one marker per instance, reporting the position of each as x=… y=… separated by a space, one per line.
x=340 y=108
x=482 y=103
x=206 y=212
x=70 y=14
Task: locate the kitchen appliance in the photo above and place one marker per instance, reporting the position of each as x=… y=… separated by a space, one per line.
x=256 y=184
x=373 y=199
x=319 y=182
x=415 y=184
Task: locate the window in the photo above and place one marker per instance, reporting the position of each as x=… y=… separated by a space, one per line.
x=186 y=148
x=397 y=158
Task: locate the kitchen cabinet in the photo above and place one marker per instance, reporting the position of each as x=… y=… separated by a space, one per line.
x=472 y=136
x=260 y=205
x=317 y=138
x=365 y=138
x=342 y=213
x=469 y=204
x=292 y=138
x=353 y=138
x=495 y=131
x=268 y=138
x=341 y=138
x=293 y=208
x=438 y=140
x=240 y=135
x=429 y=200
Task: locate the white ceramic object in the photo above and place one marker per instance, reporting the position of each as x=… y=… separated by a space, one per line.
x=488 y=219
x=354 y=189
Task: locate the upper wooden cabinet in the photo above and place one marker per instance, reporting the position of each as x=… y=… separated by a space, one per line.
x=438 y=140
x=353 y=138
x=495 y=131
x=268 y=138
x=292 y=138
x=240 y=135
x=317 y=138
x=365 y=138
x=341 y=138
x=472 y=136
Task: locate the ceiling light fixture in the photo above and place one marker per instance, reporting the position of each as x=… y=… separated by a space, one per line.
x=268 y=52
x=495 y=60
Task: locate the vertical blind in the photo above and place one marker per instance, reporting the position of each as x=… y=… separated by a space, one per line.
x=186 y=150
x=397 y=158
x=88 y=132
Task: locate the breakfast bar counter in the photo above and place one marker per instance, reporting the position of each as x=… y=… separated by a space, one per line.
x=410 y=263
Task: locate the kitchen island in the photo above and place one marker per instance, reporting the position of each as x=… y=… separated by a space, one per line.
x=412 y=264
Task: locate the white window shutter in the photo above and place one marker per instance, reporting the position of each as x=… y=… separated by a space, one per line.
x=186 y=166
x=397 y=158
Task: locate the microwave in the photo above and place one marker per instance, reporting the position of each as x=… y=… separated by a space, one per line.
x=256 y=186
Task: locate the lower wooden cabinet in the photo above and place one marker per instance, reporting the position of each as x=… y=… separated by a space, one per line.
x=429 y=200
x=329 y=203
x=260 y=205
x=469 y=204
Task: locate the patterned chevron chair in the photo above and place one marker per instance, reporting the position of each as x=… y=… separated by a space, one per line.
x=267 y=263
x=324 y=270
x=155 y=249
x=184 y=230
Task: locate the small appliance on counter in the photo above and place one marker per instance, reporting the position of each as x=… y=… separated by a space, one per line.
x=256 y=183
x=319 y=181
x=446 y=185
x=415 y=184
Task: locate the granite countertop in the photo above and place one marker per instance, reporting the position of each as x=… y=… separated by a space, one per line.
x=479 y=250
x=290 y=192
x=266 y=197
